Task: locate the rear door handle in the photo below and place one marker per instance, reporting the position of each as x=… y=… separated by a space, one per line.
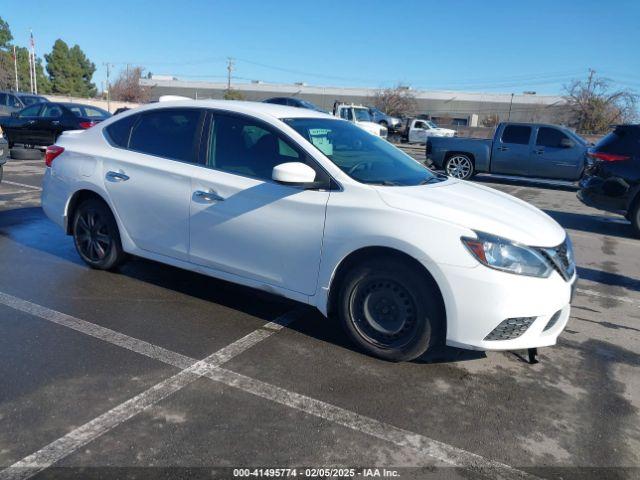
x=209 y=196
x=502 y=149
x=116 y=176
x=540 y=151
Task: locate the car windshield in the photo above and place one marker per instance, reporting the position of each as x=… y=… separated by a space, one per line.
x=364 y=157
x=308 y=105
x=362 y=114
x=30 y=99
x=431 y=124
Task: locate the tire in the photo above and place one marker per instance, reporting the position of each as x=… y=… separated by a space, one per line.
x=390 y=309
x=459 y=166
x=634 y=216
x=26 y=154
x=96 y=235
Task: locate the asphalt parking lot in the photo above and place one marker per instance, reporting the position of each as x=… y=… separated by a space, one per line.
x=102 y=371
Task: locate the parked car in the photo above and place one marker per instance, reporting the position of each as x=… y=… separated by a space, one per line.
x=42 y=123
x=15 y=101
x=293 y=102
x=313 y=208
x=612 y=177
x=360 y=116
x=393 y=124
x=418 y=130
x=524 y=149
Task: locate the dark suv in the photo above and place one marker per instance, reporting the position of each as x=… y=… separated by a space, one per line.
x=612 y=175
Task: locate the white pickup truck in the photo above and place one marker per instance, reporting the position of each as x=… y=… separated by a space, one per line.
x=419 y=130
x=359 y=115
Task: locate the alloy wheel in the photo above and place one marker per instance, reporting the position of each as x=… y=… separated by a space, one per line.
x=459 y=166
x=92 y=235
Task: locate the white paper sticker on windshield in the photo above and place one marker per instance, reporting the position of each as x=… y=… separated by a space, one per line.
x=320 y=138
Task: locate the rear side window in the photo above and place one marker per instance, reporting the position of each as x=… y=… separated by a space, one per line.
x=518 y=134
x=625 y=141
x=118 y=133
x=550 y=137
x=51 y=111
x=171 y=133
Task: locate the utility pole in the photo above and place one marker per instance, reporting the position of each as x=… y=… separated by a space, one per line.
x=510 y=105
x=108 y=65
x=15 y=68
x=230 y=68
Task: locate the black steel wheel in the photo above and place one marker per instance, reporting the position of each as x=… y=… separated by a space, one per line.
x=391 y=308
x=96 y=236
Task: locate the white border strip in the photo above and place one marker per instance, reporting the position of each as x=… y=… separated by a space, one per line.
x=31 y=187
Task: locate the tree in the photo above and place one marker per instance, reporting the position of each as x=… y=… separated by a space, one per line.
x=127 y=87
x=7 y=72
x=595 y=107
x=398 y=101
x=70 y=70
x=490 y=120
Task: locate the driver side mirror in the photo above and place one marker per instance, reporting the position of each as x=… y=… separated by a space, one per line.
x=295 y=174
x=566 y=143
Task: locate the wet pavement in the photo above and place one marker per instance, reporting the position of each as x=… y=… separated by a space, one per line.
x=77 y=345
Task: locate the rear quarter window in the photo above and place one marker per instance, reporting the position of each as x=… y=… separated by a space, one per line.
x=118 y=133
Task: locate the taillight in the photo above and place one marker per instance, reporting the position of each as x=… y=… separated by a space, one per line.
x=52 y=152
x=608 y=157
x=86 y=125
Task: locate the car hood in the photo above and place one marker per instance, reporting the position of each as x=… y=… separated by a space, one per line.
x=370 y=127
x=478 y=208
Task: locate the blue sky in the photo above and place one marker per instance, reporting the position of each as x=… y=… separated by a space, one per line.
x=493 y=46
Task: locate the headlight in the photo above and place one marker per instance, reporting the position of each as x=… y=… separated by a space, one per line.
x=502 y=254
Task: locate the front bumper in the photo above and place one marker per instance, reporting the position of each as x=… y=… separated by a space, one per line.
x=611 y=194
x=478 y=300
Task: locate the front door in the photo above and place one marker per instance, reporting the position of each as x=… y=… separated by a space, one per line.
x=555 y=155
x=511 y=152
x=244 y=223
x=418 y=132
x=20 y=129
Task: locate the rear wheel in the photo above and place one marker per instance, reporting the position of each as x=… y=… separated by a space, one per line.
x=459 y=166
x=96 y=235
x=390 y=309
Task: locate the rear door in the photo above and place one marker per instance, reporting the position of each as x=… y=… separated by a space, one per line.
x=511 y=151
x=148 y=176
x=556 y=155
x=49 y=124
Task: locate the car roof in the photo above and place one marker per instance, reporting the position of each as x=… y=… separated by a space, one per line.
x=251 y=108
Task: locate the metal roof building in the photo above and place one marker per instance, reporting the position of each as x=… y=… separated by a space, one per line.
x=446 y=107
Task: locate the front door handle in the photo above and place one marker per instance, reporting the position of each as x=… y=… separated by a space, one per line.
x=209 y=196
x=502 y=149
x=55 y=122
x=540 y=151
x=116 y=176
x=31 y=122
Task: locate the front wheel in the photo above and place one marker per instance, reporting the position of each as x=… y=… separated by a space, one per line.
x=96 y=235
x=459 y=166
x=390 y=309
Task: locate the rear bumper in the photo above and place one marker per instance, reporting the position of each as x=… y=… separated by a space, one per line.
x=611 y=194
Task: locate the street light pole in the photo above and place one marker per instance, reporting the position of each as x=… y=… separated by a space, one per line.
x=510 y=104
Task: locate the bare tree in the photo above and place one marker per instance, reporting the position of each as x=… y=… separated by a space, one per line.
x=595 y=107
x=490 y=120
x=398 y=101
x=232 y=94
x=127 y=86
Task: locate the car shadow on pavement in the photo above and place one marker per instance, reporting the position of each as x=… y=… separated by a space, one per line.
x=609 y=278
x=615 y=227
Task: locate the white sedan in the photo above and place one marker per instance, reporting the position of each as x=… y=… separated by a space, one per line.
x=313 y=208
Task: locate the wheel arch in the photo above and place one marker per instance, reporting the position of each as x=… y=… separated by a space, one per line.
x=365 y=253
x=471 y=156
x=76 y=199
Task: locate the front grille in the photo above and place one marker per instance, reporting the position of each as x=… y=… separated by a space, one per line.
x=561 y=258
x=553 y=320
x=510 y=328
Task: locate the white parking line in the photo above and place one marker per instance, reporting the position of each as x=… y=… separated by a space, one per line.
x=593 y=293
x=210 y=368
x=24 y=185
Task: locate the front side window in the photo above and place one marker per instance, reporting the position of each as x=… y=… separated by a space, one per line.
x=550 y=137
x=247 y=147
x=364 y=157
x=346 y=114
x=31 y=111
x=421 y=125
x=518 y=134
x=169 y=132
x=362 y=115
